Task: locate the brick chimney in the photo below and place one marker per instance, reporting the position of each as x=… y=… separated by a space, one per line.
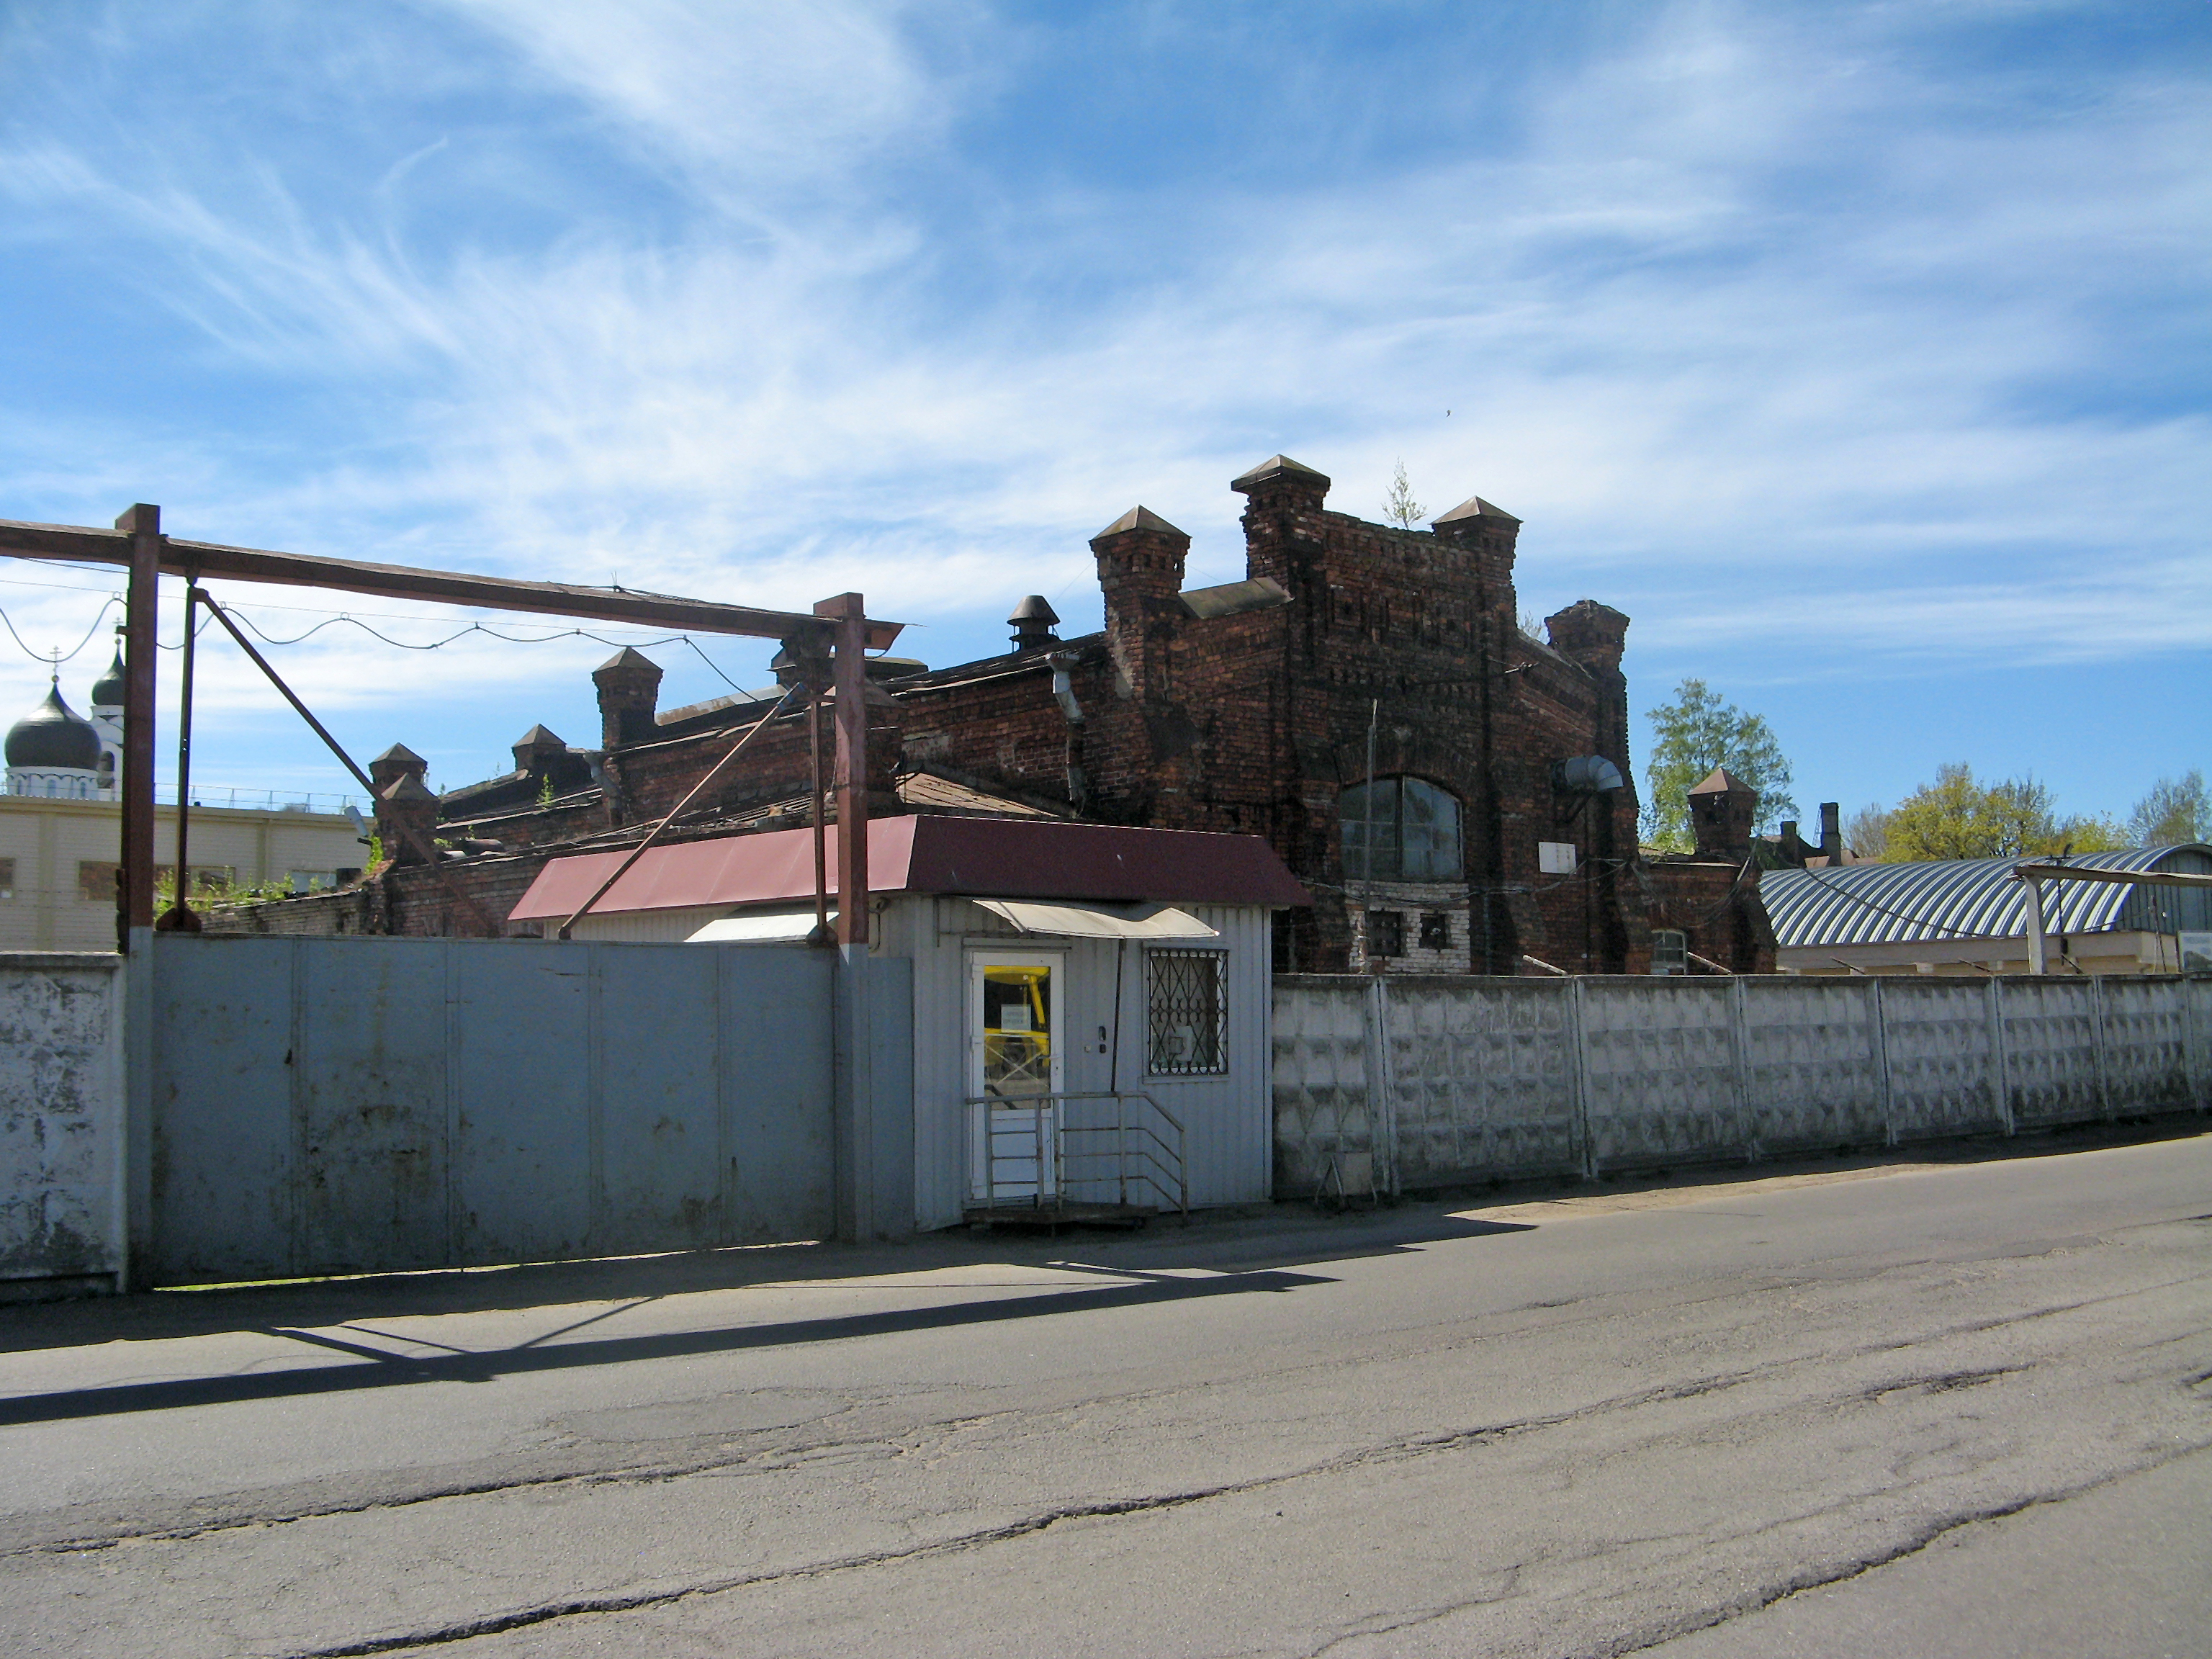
x=1722 y=810
x=1831 y=832
x=1283 y=523
x=1140 y=564
x=629 y=689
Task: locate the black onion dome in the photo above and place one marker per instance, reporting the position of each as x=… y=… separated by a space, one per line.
x=107 y=689
x=52 y=738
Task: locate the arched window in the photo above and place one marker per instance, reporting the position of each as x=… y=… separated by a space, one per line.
x=1408 y=826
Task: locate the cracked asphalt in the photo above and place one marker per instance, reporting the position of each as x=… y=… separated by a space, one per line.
x=1964 y=1407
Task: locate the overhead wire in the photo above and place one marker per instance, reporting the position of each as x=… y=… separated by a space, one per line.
x=57 y=658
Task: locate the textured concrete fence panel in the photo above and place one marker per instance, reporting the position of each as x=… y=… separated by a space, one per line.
x=1814 y=1069
x=1481 y=1074
x=1943 y=1075
x=2050 y=1050
x=2146 y=1046
x=61 y=1121
x=1321 y=1078
x=1659 y=1063
x=1446 y=1080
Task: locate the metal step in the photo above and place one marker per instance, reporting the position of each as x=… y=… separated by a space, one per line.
x=1059 y=1213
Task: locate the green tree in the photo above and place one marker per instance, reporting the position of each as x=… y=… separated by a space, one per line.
x=2175 y=809
x=1399 y=507
x=1957 y=817
x=1692 y=734
x=1866 y=832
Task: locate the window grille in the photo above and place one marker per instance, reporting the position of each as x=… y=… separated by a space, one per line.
x=1386 y=932
x=1186 y=1013
x=1670 y=951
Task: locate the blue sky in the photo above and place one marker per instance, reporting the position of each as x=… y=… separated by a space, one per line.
x=1859 y=352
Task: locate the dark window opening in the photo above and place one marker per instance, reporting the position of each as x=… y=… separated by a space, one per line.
x=1435 y=931
x=1400 y=829
x=1386 y=932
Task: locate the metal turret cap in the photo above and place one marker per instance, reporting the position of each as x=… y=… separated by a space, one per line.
x=107 y=691
x=1035 y=609
x=54 y=738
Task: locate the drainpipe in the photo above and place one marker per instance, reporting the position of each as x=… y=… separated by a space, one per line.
x=1063 y=692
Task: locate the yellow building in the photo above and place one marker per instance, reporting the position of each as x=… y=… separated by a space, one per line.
x=61 y=831
x=57 y=860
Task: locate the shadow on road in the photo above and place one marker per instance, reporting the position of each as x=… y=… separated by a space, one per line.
x=387 y=1370
x=1256 y=1248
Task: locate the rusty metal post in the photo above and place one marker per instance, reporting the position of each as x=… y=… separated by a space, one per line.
x=821 y=935
x=179 y=917
x=864 y=1211
x=850 y=673
x=142 y=620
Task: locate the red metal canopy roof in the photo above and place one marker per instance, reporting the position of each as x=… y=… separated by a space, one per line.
x=997 y=858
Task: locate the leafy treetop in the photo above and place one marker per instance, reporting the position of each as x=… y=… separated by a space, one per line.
x=1957 y=817
x=1693 y=733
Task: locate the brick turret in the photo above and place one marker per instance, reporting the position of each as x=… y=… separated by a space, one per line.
x=535 y=748
x=1590 y=634
x=1284 y=535
x=1140 y=565
x=394 y=763
x=1489 y=535
x=1722 y=810
x=406 y=800
x=629 y=690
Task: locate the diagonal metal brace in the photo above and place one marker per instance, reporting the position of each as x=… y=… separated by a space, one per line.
x=798 y=697
x=422 y=844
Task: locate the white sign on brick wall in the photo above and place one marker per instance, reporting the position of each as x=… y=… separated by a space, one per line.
x=1556 y=858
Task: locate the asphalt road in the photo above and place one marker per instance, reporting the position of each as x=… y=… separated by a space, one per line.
x=1961 y=1409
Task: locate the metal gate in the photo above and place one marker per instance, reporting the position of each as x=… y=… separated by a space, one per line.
x=333 y=1105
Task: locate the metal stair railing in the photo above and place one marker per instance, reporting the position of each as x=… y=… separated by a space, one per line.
x=1140 y=1151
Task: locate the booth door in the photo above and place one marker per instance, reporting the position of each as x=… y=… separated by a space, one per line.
x=1013 y=1072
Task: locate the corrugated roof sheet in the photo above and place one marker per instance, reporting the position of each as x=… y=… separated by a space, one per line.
x=1958 y=898
x=1004 y=858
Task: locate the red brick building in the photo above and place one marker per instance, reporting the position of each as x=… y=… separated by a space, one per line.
x=1455 y=792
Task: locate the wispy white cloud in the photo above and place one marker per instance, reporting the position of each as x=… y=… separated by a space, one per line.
x=1749 y=296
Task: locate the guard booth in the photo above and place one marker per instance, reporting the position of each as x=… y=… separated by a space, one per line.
x=1090 y=1004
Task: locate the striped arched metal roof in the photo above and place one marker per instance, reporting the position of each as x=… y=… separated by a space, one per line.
x=1955 y=898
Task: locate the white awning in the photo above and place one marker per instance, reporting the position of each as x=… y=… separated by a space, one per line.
x=760 y=927
x=1070 y=919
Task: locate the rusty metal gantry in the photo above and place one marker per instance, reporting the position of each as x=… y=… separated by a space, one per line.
x=137 y=544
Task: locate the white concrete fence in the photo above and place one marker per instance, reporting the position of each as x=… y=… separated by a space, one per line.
x=61 y=1123
x=1414 y=1081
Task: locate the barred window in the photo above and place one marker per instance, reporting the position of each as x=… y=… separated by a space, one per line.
x=1186 y=1013
x=1386 y=932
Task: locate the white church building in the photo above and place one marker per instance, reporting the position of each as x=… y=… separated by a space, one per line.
x=61 y=830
